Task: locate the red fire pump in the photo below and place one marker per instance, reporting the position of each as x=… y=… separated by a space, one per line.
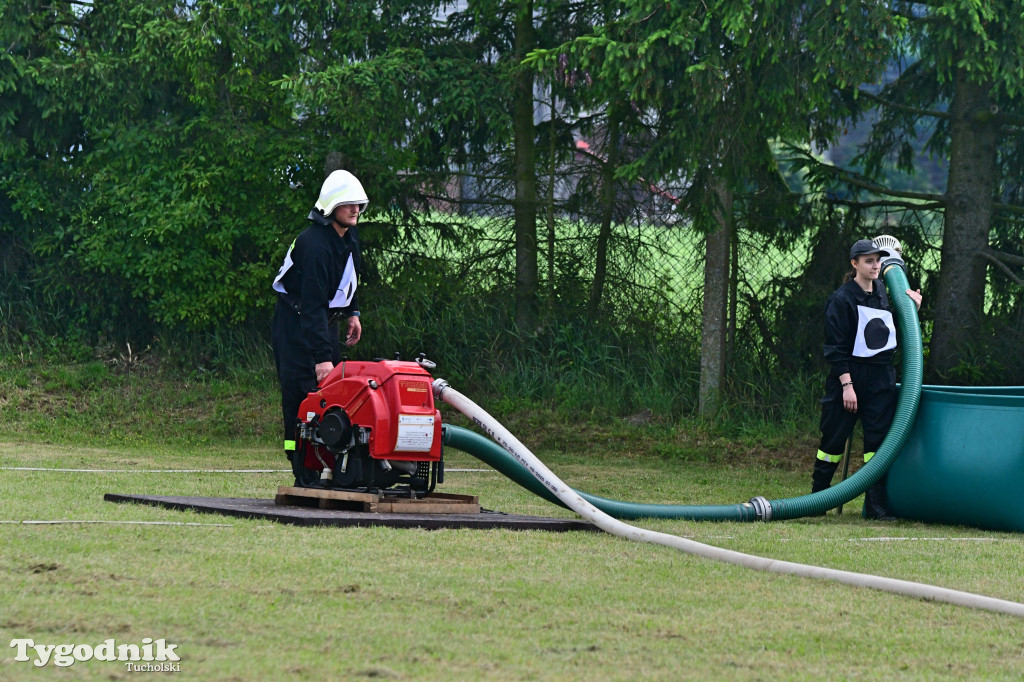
x=371 y=426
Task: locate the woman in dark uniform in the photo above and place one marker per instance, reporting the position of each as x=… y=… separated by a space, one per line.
x=860 y=341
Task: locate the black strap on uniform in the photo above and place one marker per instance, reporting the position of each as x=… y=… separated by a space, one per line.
x=332 y=316
x=289 y=301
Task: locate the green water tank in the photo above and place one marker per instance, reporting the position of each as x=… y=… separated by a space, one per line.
x=963 y=462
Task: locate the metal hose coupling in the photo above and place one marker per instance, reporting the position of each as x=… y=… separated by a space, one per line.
x=762 y=507
x=439 y=386
x=890 y=261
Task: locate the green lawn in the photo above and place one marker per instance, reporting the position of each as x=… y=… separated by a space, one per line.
x=254 y=600
x=257 y=600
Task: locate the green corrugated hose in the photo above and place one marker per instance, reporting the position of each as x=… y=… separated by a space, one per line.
x=758 y=508
x=492 y=454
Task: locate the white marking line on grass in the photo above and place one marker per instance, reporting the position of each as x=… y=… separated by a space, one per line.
x=882 y=539
x=124 y=523
x=902 y=539
x=895 y=539
x=181 y=471
x=152 y=471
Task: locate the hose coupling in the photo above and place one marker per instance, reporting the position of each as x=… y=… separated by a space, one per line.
x=892 y=261
x=439 y=386
x=762 y=507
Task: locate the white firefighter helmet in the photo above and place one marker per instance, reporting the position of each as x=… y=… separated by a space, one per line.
x=340 y=187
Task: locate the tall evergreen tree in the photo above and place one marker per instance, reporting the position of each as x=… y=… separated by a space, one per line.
x=961 y=87
x=722 y=79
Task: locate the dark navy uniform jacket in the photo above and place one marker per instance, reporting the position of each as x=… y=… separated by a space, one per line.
x=320 y=269
x=859 y=329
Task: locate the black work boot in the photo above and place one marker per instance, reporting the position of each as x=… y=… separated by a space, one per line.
x=874 y=503
x=821 y=479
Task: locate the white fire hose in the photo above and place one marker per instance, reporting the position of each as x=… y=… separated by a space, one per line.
x=609 y=524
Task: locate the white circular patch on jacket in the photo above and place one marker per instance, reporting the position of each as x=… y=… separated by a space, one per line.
x=876 y=332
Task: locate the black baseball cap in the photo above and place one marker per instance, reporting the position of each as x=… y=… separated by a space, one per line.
x=866 y=246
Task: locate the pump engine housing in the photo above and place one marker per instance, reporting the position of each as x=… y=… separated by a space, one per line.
x=371 y=425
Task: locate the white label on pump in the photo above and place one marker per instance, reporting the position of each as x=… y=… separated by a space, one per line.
x=415 y=433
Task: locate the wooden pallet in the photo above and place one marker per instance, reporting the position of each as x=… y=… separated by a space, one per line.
x=434 y=503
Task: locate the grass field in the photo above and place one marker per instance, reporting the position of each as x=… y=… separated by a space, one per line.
x=254 y=600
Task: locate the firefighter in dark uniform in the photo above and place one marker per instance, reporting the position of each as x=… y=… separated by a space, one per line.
x=316 y=289
x=860 y=341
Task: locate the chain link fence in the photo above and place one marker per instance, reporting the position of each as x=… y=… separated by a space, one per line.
x=653 y=278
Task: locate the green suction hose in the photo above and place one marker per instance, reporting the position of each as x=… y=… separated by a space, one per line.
x=758 y=508
x=494 y=455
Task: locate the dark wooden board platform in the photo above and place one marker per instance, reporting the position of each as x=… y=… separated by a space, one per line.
x=250 y=508
x=434 y=503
